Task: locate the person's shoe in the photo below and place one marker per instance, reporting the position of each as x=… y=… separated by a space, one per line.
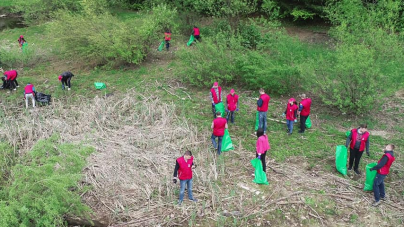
x=375 y=204
x=179 y=202
x=357 y=172
x=18 y=86
x=68 y=89
x=193 y=200
x=384 y=199
x=15 y=89
x=350 y=169
x=300 y=131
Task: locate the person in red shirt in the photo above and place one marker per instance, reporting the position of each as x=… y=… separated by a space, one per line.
x=291 y=114
x=219 y=124
x=262 y=147
x=21 y=41
x=262 y=107
x=357 y=141
x=167 y=38
x=383 y=169
x=10 y=80
x=196 y=33
x=304 y=111
x=232 y=105
x=215 y=96
x=183 y=169
x=29 y=93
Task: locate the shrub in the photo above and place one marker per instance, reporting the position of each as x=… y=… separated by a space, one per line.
x=100 y=38
x=43 y=186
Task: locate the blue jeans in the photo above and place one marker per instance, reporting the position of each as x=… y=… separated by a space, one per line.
x=230 y=115
x=189 y=189
x=262 y=116
x=290 y=125
x=378 y=187
x=219 y=145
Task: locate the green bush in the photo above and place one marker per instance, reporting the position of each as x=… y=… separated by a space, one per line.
x=99 y=38
x=43 y=185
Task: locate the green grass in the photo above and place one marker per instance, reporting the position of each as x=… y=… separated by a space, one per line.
x=6 y=3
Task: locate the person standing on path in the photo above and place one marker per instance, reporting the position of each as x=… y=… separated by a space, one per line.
x=304 y=111
x=29 y=93
x=383 y=169
x=262 y=107
x=167 y=38
x=219 y=124
x=262 y=147
x=65 y=79
x=196 y=33
x=232 y=105
x=357 y=141
x=183 y=169
x=215 y=96
x=291 y=114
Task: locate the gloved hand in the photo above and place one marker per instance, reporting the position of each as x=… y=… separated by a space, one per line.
x=371 y=169
x=213 y=104
x=237 y=109
x=283 y=114
x=226 y=110
x=174 y=181
x=259 y=156
x=295 y=120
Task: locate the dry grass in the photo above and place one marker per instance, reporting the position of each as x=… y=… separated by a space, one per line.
x=138 y=139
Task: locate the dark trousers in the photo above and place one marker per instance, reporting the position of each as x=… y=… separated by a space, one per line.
x=197 y=37
x=230 y=115
x=11 y=84
x=354 y=156
x=66 y=82
x=167 y=44
x=378 y=187
x=303 y=122
x=213 y=111
x=264 y=165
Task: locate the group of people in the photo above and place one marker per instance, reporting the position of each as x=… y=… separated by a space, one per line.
x=167 y=36
x=10 y=81
x=357 y=141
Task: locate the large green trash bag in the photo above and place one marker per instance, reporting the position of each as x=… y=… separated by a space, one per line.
x=220 y=107
x=191 y=40
x=161 y=46
x=308 y=122
x=227 y=145
x=260 y=176
x=24 y=47
x=341 y=155
x=257 y=120
x=99 y=85
x=370 y=176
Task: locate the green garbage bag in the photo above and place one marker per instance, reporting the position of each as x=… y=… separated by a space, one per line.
x=308 y=122
x=257 y=121
x=220 y=107
x=341 y=155
x=370 y=176
x=191 y=40
x=227 y=145
x=348 y=133
x=260 y=176
x=24 y=47
x=99 y=85
x=161 y=46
